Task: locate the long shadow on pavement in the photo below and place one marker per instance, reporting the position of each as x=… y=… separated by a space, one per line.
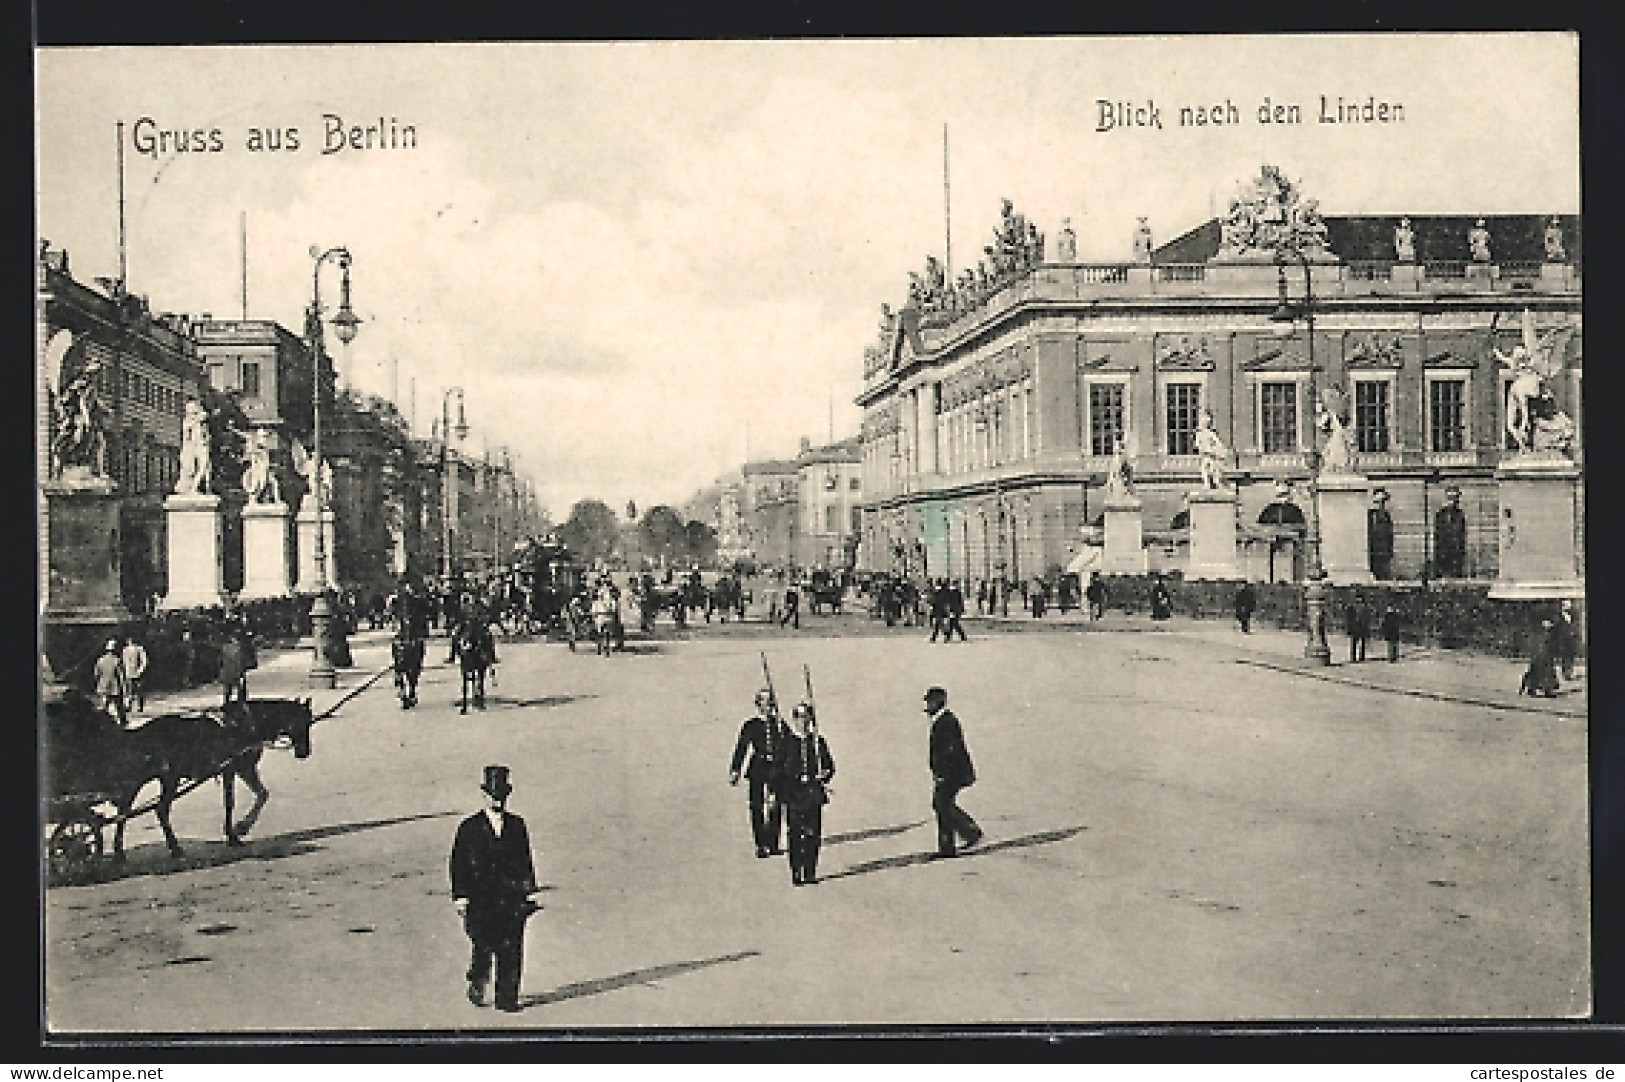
x=153 y=858
x=906 y=860
x=626 y=980
x=872 y=832
x=546 y=701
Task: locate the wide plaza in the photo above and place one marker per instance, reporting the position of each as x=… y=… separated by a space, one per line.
x=1183 y=824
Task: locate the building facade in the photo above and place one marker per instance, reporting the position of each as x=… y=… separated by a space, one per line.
x=146 y=370
x=994 y=407
x=830 y=487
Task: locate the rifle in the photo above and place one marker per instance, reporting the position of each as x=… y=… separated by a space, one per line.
x=773 y=700
x=812 y=728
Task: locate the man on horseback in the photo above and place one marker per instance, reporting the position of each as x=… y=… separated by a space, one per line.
x=410 y=614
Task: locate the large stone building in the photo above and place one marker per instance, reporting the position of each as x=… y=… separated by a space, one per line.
x=993 y=404
x=145 y=370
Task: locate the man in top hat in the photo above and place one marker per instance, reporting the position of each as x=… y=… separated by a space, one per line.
x=759 y=736
x=492 y=880
x=951 y=771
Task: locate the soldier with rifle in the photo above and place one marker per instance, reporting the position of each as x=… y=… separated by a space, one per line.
x=803 y=768
x=759 y=736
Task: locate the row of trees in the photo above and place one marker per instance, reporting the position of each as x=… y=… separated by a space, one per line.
x=594 y=532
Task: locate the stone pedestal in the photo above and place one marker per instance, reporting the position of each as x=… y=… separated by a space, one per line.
x=309 y=583
x=79 y=538
x=1342 y=502
x=1539 y=557
x=1405 y=275
x=1124 y=552
x=265 y=551
x=196 y=578
x=1213 y=535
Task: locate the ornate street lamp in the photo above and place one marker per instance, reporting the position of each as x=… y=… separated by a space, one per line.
x=446 y=500
x=1314 y=589
x=328 y=637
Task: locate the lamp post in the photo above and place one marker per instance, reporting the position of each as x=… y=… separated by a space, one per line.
x=1314 y=589
x=445 y=475
x=322 y=629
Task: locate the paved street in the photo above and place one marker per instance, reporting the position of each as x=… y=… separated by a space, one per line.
x=1181 y=825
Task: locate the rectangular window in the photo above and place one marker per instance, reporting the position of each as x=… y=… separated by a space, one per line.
x=832 y=519
x=1105 y=418
x=1278 y=417
x=251 y=378
x=1447 y=417
x=1184 y=403
x=854 y=484
x=217 y=375
x=1371 y=415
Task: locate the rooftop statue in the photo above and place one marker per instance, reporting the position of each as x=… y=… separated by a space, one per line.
x=197 y=458
x=1268 y=215
x=1404 y=242
x=1554 y=242
x=1066 y=243
x=1478 y=242
x=1142 y=242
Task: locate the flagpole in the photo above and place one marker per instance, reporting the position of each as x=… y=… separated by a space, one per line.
x=123 y=269
x=947 y=209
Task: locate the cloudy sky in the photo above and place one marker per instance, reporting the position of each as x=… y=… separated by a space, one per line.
x=627 y=254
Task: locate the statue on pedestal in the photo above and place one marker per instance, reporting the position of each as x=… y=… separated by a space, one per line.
x=1478 y=242
x=260 y=482
x=1215 y=455
x=80 y=440
x=1404 y=242
x=197 y=460
x=1533 y=362
x=313 y=473
x=1554 y=242
x=1119 y=474
x=1331 y=418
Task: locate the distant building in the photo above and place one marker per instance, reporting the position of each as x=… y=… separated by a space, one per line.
x=771 y=510
x=830 y=486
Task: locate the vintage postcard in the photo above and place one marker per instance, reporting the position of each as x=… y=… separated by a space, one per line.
x=949 y=533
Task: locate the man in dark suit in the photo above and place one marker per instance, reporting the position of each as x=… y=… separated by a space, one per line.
x=955 y=609
x=951 y=771
x=492 y=880
x=758 y=736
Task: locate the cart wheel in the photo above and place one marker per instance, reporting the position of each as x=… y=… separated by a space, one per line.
x=76 y=846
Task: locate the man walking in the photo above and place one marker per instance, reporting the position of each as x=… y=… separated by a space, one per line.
x=1246 y=604
x=803 y=769
x=956 y=609
x=1390 y=630
x=937 y=606
x=134 y=658
x=792 y=604
x=759 y=736
x=492 y=880
x=110 y=687
x=951 y=771
x=1357 y=620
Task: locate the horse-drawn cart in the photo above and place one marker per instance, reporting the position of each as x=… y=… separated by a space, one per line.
x=95 y=770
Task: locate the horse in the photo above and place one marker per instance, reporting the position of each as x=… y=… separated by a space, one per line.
x=174 y=748
x=471 y=645
x=406 y=654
